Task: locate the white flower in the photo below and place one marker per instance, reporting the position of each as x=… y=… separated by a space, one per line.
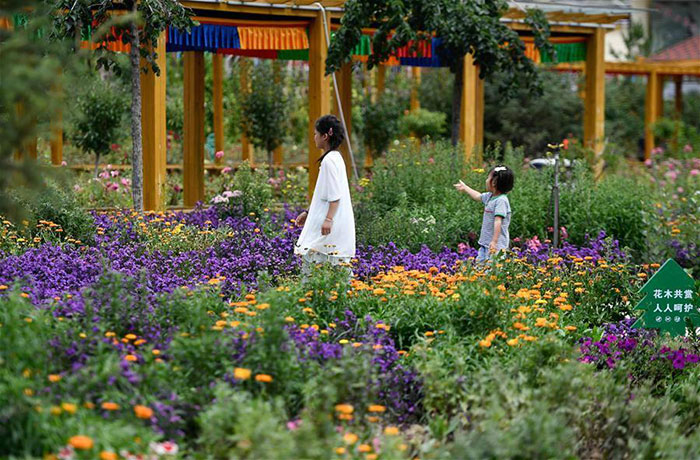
x=227 y=193
x=219 y=199
x=236 y=193
x=164 y=448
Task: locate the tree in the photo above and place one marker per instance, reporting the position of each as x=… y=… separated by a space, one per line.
x=32 y=71
x=97 y=125
x=463 y=26
x=141 y=27
x=265 y=109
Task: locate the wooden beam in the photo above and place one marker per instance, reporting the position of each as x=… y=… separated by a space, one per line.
x=415 y=88
x=193 y=128
x=218 y=103
x=319 y=90
x=594 y=105
x=468 y=108
x=650 y=113
x=344 y=79
x=153 y=137
x=246 y=147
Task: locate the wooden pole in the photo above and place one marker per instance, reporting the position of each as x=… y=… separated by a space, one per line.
x=594 y=104
x=153 y=129
x=57 y=138
x=246 y=147
x=319 y=90
x=218 y=96
x=381 y=79
x=344 y=79
x=468 y=108
x=650 y=113
x=193 y=128
x=415 y=87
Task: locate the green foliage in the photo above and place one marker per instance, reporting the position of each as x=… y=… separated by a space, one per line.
x=98 y=124
x=265 y=108
x=531 y=121
x=436 y=91
x=252 y=192
x=624 y=114
x=381 y=123
x=423 y=124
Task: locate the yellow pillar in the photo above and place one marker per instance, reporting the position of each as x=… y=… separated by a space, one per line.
x=218 y=102
x=193 y=144
x=594 y=105
x=415 y=86
x=651 y=113
x=468 y=108
x=381 y=79
x=246 y=147
x=319 y=90
x=344 y=79
x=153 y=138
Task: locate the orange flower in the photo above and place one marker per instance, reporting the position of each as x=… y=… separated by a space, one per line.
x=69 y=407
x=350 y=438
x=131 y=358
x=53 y=378
x=376 y=408
x=344 y=408
x=265 y=378
x=143 y=412
x=110 y=406
x=391 y=431
x=240 y=373
x=81 y=442
x=364 y=448
x=340 y=450
x=105 y=455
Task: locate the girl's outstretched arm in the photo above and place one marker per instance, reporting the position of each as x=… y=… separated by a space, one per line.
x=462 y=187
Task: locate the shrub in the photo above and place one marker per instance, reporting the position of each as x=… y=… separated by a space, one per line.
x=423 y=124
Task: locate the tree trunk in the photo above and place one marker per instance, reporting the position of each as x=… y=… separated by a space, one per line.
x=137 y=150
x=270 y=159
x=456 y=105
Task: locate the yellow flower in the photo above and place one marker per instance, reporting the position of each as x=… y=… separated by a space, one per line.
x=69 y=407
x=391 y=431
x=55 y=410
x=263 y=306
x=570 y=328
x=263 y=378
x=106 y=455
x=340 y=450
x=289 y=319
x=53 y=378
x=512 y=342
x=130 y=336
x=130 y=358
x=376 y=408
x=110 y=406
x=240 y=373
x=344 y=408
x=484 y=343
x=364 y=448
x=350 y=438
x=81 y=442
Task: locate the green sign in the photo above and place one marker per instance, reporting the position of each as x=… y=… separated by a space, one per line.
x=669 y=300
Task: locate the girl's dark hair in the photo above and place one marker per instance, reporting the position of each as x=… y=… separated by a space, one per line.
x=503 y=178
x=325 y=124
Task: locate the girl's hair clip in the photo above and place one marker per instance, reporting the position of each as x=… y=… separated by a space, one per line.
x=499 y=168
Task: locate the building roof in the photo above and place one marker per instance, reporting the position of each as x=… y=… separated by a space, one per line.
x=687 y=50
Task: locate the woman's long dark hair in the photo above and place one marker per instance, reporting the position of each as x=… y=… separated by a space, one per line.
x=329 y=124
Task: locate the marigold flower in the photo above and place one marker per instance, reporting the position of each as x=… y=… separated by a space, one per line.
x=350 y=438
x=376 y=408
x=55 y=410
x=344 y=408
x=143 y=412
x=512 y=342
x=131 y=358
x=372 y=419
x=53 y=378
x=107 y=455
x=391 y=431
x=364 y=448
x=240 y=373
x=110 y=406
x=69 y=407
x=81 y=442
x=130 y=336
x=484 y=343
x=570 y=328
x=263 y=378
x=263 y=306
x=340 y=450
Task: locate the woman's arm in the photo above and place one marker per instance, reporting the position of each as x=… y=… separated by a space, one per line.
x=462 y=187
x=328 y=222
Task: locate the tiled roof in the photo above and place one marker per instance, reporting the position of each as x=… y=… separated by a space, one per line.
x=686 y=50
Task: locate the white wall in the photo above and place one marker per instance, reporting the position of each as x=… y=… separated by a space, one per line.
x=614 y=39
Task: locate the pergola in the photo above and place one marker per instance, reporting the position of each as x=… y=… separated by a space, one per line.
x=294 y=30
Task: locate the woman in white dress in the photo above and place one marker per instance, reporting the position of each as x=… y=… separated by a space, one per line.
x=328 y=235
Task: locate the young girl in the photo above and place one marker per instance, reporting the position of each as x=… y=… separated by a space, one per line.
x=328 y=235
x=494 y=226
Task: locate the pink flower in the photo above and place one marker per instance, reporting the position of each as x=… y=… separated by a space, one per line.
x=114 y=173
x=177 y=188
x=431 y=160
x=164 y=448
x=462 y=248
x=564 y=234
x=293 y=424
x=657 y=151
x=226 y=170
x=63 y=163
x=648 y=162
x=125 y=182
x=115 y=147
x=679 y=189
x=66 y=453
x=688 y=148
x=534 y=243
x=694 y=172
x=77 y=188
x=673 y=175
x=218 y=155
